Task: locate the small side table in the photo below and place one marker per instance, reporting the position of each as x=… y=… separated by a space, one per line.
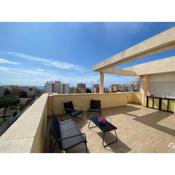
x=107 y=127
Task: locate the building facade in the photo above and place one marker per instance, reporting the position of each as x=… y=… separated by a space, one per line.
x=56 y=87
x=65 y=88
x=81 y=88
x=95 y=88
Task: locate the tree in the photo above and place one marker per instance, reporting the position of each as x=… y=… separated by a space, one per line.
x=23 y=94
x=88 y=90
x=7 y=92
x=7 y=101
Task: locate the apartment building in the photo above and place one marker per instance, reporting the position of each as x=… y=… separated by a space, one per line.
x=81 y=88
x=95 y=88
x=66 y=89
x=114 y=88
x=56 y=87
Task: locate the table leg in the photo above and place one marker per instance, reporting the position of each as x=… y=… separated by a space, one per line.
x=110 y=142
x=116 y=135
x=89 y=124
x=103 y=139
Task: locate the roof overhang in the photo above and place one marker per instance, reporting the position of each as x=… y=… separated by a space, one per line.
x=120 y=72
x=158 y=43
x=165 y=65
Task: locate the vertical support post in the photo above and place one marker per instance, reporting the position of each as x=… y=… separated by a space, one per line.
x=102 y=82
x=144 y=89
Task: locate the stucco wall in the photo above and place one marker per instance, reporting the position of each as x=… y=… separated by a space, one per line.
x=27 y=134
x=134 y=97
x=55 y=102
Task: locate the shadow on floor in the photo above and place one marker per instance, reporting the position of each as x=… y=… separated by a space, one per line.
x=119 y=110
x=153 y=119
x=117 y=147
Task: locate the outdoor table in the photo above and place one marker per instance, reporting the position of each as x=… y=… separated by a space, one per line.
x=107 y=127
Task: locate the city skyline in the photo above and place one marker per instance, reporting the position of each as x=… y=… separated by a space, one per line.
x=33 y=53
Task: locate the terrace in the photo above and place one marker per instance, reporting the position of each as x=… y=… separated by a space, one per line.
x=140 y=129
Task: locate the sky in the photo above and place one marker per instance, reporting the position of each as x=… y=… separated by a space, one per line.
x=33 y=53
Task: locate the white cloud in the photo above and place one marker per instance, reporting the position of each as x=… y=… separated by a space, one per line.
x=39 y=76
x=49 y=62
x=5 y=61
x=3 y=69
x=40 y=70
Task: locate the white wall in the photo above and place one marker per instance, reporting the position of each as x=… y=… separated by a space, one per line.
x=162 y=84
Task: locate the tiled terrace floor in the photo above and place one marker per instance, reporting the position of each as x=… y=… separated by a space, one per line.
x=140 y=130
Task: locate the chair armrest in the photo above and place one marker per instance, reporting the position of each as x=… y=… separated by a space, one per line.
x=84 y=135
x=70 y=109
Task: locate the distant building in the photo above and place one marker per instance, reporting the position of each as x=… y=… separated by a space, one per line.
x=54 y=87
x=95 y=88
x=135 y=86
x=31 y=91
x=72 y=90
x=114 y=88
x=128 y=87
x=48 y=88
x=125 y=88
x=65 y=88
x=58 y=87
x=81 y=87
x=13 y=89
x=132 y=87
x=106 y=90
x=2 y=90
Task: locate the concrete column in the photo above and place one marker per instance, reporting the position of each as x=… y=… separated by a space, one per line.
x=144 y=89
x=101 y=82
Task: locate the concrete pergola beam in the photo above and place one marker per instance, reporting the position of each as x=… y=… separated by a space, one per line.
x=158 y=43
x=164 y=65
x=120 y=72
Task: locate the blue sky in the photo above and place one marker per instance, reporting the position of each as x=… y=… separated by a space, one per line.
x=33 y=53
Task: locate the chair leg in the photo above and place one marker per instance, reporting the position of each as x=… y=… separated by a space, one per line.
x=89 y=124
x=51 y=140
x=103 y=139
x=86 y=146
x=50 y=144
x=53 y=146
x=88 y=114
x=116 y=135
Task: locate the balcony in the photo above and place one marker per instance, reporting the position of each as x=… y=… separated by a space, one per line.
x=140 y=129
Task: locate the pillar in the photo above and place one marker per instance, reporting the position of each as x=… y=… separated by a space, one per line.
x=144 y=90
x=101 y=82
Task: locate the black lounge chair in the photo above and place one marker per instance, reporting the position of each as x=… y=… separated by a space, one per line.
x=70 y=110
x=65 y=134
x=95 y=106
